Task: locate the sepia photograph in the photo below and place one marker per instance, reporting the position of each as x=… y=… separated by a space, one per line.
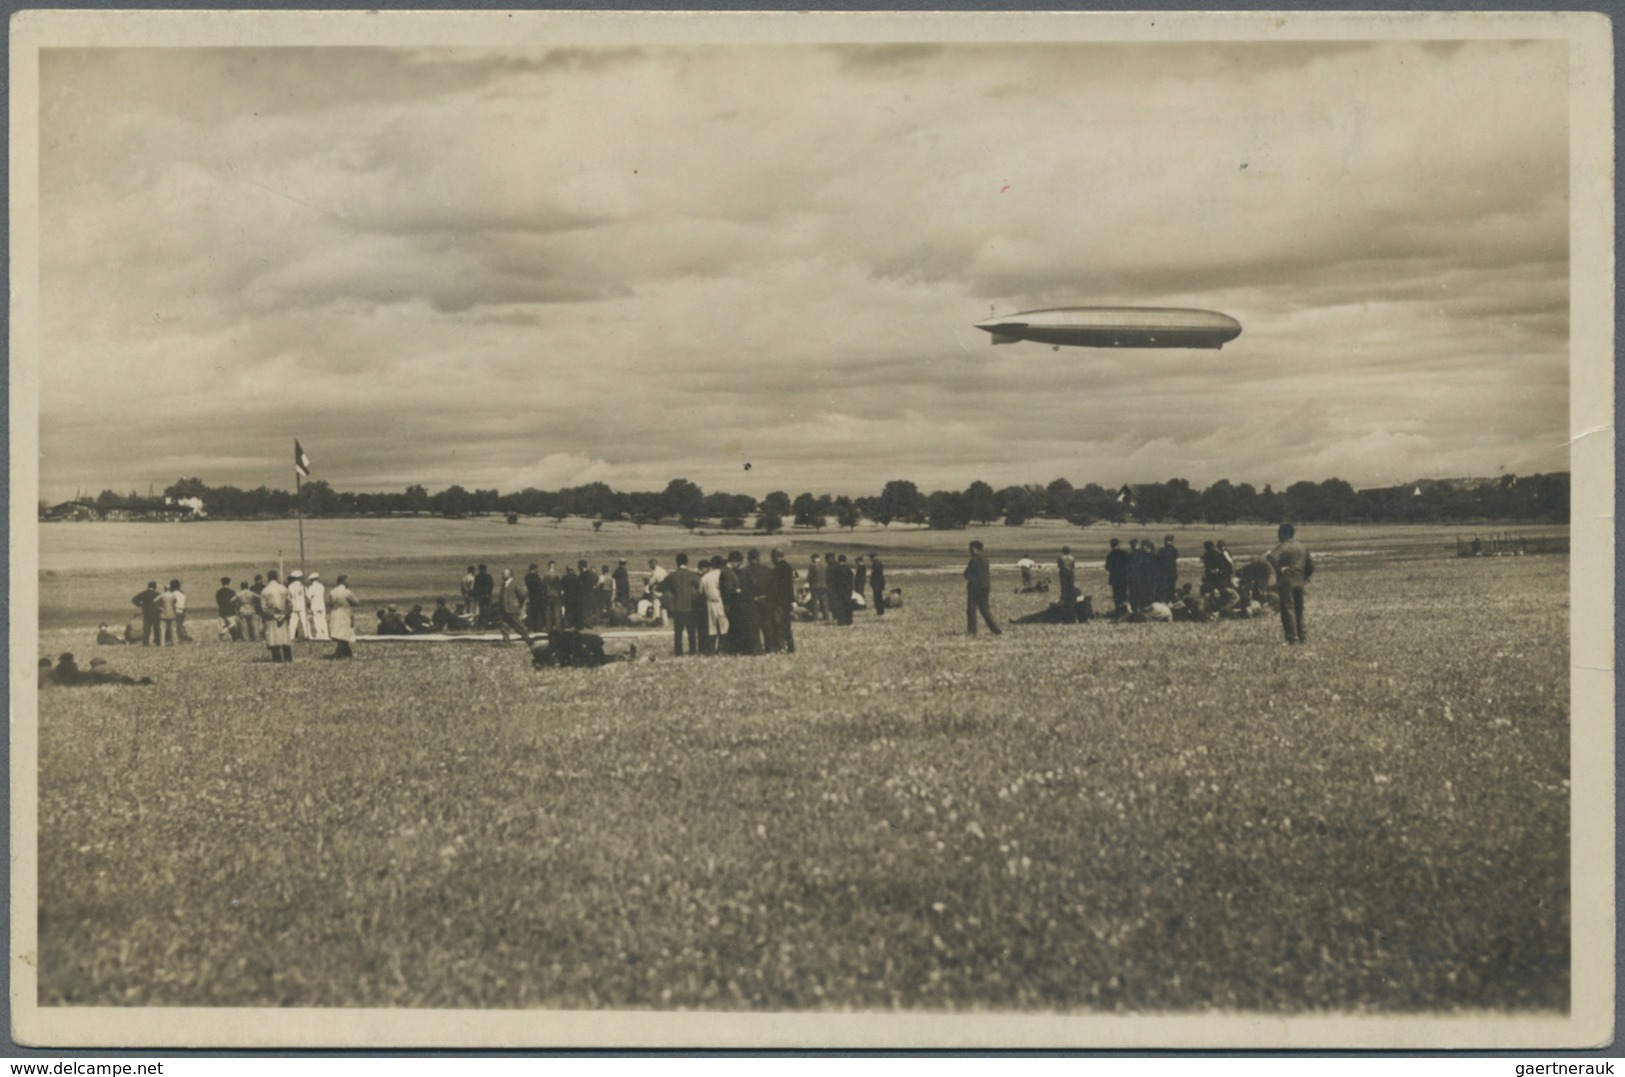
x=767 y=530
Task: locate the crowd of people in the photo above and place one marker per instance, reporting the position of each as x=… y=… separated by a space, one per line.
x=733 y=604
x=1144 y=581
x=266 y=611
x=736 y=604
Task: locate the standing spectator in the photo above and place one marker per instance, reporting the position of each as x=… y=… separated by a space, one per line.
x=247 y=604
x=860 y=572
x=469 y=580
x=342 y=625
x=818 y=586
x=147 y=602
x=840 y=589
x=316 y=599
x=623 y=585
x=978 y=588
x=764 y=624
x=1293 y=566
x=781 y=596
x=681 y=588
x=181 y=635
x=536 y=594
x=225 y=604
x=259 y=583
x=274 y=613
x=1142 y=574
x=737 y=602
x=1027 y=564
x=1118 y=563
x=1167 y=570
x=877 y=583
x=586 y=586
x=1214 y=573
x=1067 y=569
x=553 y=588
x=511 y=607
x=716 y=613
x=484 y=595
x=168 y=611
x=298 y=611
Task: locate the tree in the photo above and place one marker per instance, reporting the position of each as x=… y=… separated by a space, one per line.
x=846 y=513
x=980 y=503
x=558 y=513
x=946 y=510
x=778 y=503
x=769 y=522
x=452 y=501
x=1018 y=505
x=1059 y=497
x=804 y=508
x=899 y=500
x=1217 y=504
x=732 y=523
x=417 y=499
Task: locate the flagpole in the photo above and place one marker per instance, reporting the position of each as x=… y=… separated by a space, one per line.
x=299 y=508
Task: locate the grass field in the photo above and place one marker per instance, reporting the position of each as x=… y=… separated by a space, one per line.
x=1095 y=818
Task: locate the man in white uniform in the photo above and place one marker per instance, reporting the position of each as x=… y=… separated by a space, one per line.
x=298 y=612
x=316 y=598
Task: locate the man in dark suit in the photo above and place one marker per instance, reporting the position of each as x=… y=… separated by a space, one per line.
x=147 y=602
x=781 y=596
x=536 y=595
x=765 y=626
x=840 y=590
x=1293 y=566
x=1117 y=570
x=485 y=588
x=877 y=583
x=681 y=589
x=623 y=585
x=1167 y=570
x=581 y=598
x=735 y=604
x=978 y=587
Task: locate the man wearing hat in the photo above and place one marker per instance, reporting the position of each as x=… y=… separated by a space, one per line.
x=316 y=598
x=298 y=612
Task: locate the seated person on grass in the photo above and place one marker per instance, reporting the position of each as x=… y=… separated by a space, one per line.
x=1083 y=610
x=106 y=637
x=417 y=621
x=442 y=620
x=390 y=623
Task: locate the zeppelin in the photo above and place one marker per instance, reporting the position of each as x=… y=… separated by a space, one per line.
x=1116 y=327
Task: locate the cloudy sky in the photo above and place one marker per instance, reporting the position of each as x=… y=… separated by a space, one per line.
x=548 y=267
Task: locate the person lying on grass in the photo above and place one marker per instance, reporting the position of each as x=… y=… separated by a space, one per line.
x=567 y=647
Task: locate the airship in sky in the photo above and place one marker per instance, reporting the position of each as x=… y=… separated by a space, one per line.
x=1116 y=327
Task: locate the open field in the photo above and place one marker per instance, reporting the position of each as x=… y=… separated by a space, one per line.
x=89 y=571
x=1095 y=818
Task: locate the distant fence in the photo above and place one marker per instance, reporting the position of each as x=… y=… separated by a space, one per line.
x=1507 y=544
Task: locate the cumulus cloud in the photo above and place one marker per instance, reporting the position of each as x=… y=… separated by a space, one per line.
x=546 y=267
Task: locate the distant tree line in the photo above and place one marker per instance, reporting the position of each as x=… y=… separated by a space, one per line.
x=1543 y=498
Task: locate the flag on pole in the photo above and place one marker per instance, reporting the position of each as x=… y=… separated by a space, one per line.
x=301 y=462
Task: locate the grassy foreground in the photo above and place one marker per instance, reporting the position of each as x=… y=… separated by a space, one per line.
x=1101 y=818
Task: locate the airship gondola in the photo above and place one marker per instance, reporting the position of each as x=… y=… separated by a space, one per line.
x=1116 y=327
